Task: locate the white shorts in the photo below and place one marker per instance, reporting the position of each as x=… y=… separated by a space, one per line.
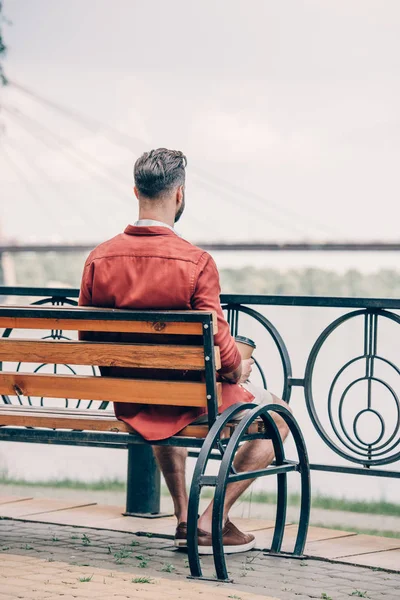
x=261 y=396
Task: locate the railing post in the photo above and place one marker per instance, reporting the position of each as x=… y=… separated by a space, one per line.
x=143 y=483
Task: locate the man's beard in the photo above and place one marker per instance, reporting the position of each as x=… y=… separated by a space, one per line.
x=181 y=208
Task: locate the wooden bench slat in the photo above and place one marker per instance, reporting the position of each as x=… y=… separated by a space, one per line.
x=90 y=318
x=51 y=421
x=17 y=409
x=117 y=326
x=105 y=354
x=75 y=419
x=89 y=313
x=112 y=389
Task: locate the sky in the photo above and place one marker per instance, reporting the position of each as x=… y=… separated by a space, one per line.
x=288 y=113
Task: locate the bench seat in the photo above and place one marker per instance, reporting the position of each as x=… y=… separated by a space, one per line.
x=80 y=420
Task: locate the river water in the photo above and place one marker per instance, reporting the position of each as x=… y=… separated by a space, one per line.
x=299 y=328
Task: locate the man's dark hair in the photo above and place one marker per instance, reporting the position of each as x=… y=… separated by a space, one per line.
x=159 y=171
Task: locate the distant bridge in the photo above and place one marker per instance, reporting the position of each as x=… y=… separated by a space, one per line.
x=226 y=247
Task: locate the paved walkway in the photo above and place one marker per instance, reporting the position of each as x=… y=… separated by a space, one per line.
x=49 y=561
x=344 y=546
x=62 y=549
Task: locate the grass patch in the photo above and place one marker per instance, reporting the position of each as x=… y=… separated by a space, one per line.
x=329 y=503
x=168 y=568
x=143 y=564
x=113 y=485
x=357 y=506
x=85 y=579
x=122 y=554
x=142 y=580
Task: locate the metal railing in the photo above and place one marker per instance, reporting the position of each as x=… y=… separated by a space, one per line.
x=349 y=396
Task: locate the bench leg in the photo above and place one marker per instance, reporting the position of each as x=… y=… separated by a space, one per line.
x=198 y=482
x=223 y=480
x=280 y=518
x=280 y=468
x=143 y=483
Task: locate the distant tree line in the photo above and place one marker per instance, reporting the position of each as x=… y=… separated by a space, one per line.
x=66 y=269
x=312 y=282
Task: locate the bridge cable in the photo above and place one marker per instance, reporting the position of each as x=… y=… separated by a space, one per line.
x=95 y=125
x=43 y=174
x=25 y=183
x=58 y=145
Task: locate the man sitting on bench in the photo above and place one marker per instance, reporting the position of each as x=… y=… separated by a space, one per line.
x=149 y=266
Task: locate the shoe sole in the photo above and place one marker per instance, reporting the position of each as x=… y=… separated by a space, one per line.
x=180 y=543
x=229 y=549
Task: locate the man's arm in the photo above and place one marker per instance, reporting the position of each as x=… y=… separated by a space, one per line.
x=206 y=297
x=85 y=295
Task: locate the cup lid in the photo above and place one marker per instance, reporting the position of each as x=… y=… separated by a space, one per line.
x=245 y=340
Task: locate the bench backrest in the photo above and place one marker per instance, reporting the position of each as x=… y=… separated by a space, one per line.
x=162 y=345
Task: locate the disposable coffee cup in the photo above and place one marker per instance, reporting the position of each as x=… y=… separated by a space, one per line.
x=245 y=346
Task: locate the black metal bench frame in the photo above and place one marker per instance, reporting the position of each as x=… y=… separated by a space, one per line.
x=213 y=446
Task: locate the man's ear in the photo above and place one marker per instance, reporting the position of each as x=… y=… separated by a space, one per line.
x=179 y=195
x=136 y=192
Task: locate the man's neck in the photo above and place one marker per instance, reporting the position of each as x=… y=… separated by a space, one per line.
x=161 y=216
x=152 y=223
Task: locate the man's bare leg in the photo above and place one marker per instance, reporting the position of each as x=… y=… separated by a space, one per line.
x=254 y=455
x=172 y=463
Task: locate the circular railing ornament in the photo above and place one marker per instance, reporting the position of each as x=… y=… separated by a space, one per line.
x=355 y=439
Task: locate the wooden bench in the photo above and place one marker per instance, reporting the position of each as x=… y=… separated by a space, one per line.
x=172 y=361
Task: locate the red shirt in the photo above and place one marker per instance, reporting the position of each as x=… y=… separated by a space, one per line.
x=153 y=268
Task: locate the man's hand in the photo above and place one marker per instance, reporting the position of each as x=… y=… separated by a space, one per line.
x=247 y=366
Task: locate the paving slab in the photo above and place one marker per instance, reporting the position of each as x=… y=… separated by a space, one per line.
x=384 y=560
x=8 y=499
x=264 y=538
x=85 y=515
x=36 y=506
x=164 y=526
x=317 y=534
x=254 y=524
x=351 y=545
